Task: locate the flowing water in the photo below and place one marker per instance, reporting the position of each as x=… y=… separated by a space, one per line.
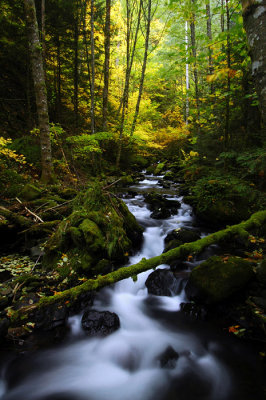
x=126 y=365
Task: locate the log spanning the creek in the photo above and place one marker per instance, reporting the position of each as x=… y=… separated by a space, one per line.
x=182 y=252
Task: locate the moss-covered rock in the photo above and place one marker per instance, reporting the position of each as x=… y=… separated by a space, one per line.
x=30 y=192
x=180 y=236
x=218 y=278
x=224 y=212
x=159 y=168
x=100 y=226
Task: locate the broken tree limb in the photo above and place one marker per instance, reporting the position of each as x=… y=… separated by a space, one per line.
x=37 y=218
x=181 y=252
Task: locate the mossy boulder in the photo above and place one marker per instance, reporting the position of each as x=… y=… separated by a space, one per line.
x=30 y=192
x=223 y=212
x=218 y=278
x=100 y=227
x=180 y=236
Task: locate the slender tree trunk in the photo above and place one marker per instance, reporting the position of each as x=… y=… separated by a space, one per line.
x=86 y=43
x=76 y=70
x=92 y=70
x=106 y=62
x=43 y=33
x=222 y=15
x=40 y=89
x=195 y=67
x=254 y=14
x=187 y=74
x=148 y=24
x=228 y=59
x=58 y=81
x=209 y=34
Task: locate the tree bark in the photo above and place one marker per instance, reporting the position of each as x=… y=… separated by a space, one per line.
x=228 y=59
x=254 y=15
x=107 y=35
x=76 y=69
x=92 y=70
x=194 y=53
x=209 y=34
x=40 y=90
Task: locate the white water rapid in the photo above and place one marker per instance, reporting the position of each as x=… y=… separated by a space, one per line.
x=126 y=364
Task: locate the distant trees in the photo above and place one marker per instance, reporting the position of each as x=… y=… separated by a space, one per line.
x=131 y=68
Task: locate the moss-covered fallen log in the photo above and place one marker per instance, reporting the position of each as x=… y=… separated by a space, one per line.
x=181 y=252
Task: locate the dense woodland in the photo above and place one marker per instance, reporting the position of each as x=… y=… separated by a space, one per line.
x=92 y=93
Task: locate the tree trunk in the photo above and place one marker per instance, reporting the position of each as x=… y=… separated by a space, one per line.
x=195 y=67
x=209 y=34
x=148 y=25
x=58 y=81
x=92 y=70
x=187 y=73
x=106 y=62
x=43 y=32
x=254 y=14
x=76 y=69
x=40 y=90
x=228 y=58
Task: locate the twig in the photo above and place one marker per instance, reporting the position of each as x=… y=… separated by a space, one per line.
x=59 y=205
x=111 y=184
x=30 y=212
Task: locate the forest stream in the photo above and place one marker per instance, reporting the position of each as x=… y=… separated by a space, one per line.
x=158 y=353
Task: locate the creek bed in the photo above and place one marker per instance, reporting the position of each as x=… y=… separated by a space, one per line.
x=205 y=364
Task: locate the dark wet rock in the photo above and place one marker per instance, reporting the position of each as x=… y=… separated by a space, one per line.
x=179 y=236
x=156 y=201
x=161 y=213
x=168 y=358
x=5 y=275
x=261 y=272
x=162 y=282
x=100 y=323
x=4 y=324
x=49 y=316
x=178 y=265
x=218 y=278
x=183 y=235
x=132 y=193
x=194 y=310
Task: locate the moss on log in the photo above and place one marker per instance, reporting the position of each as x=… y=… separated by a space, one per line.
x=181 y=252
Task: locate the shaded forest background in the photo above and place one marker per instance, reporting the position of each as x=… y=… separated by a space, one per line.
x=159 y=81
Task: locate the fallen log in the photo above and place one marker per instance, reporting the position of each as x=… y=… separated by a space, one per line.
x=181 y=252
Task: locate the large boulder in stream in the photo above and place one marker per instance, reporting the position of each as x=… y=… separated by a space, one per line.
x=160 y=206
x=99 y=323
x=99 y=232
x=162 y=282
x=218 y=278
x=179 y=236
